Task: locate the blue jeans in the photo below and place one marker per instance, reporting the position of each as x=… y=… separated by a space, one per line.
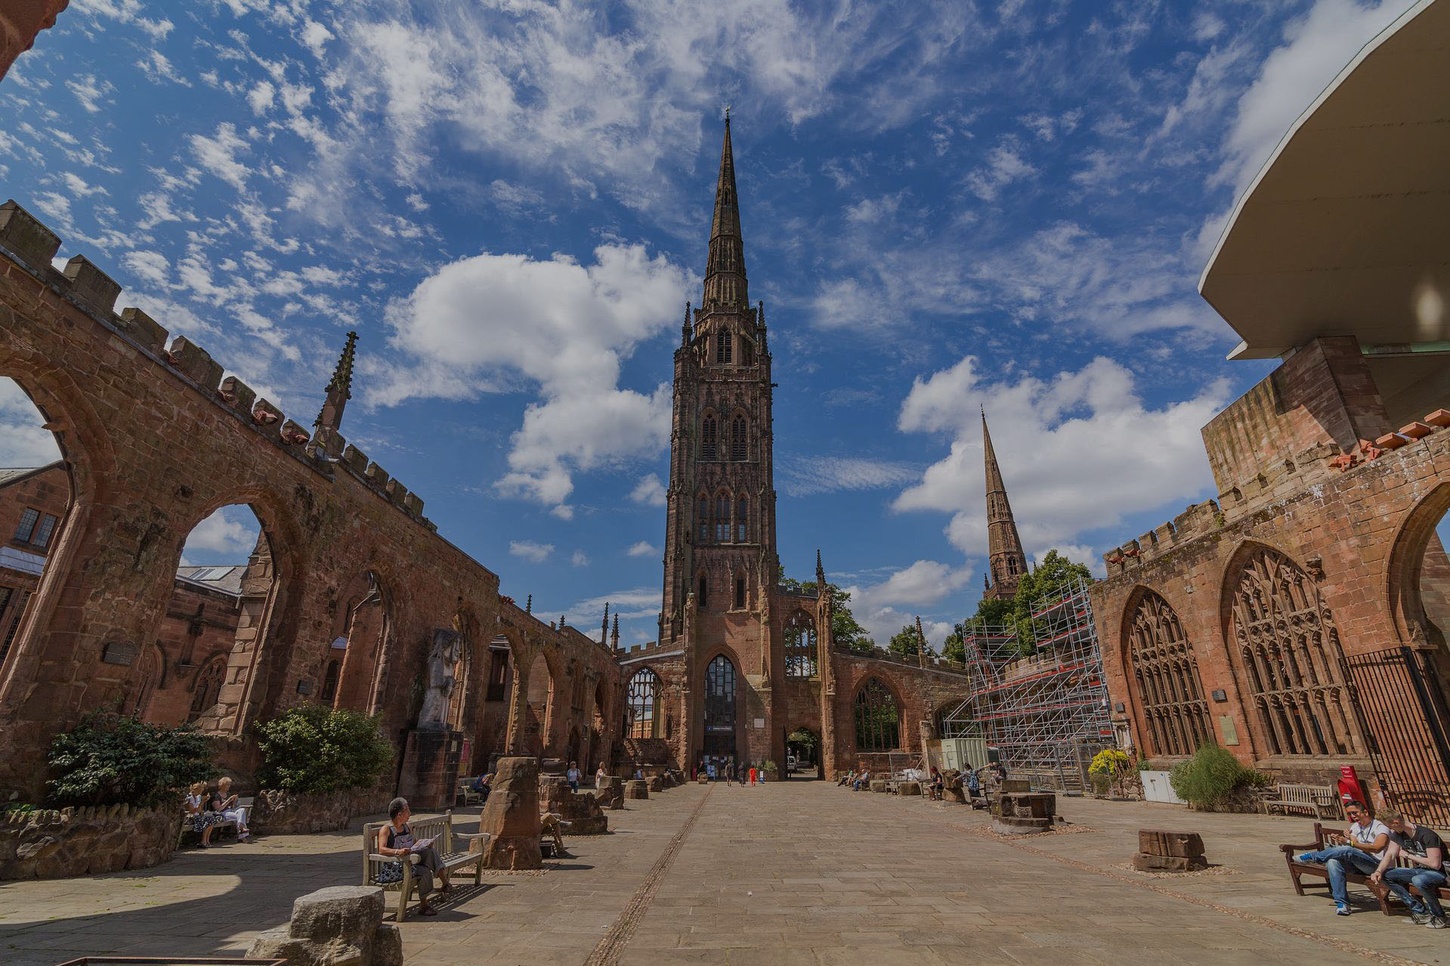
x=1422 y=879
x=1336 y=858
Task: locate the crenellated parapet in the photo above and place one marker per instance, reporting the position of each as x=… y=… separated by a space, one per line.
x=33 y=246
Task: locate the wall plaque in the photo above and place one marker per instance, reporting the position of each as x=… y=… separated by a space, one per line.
x=119 y=652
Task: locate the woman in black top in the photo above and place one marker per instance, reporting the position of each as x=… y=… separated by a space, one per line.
x=396 y=839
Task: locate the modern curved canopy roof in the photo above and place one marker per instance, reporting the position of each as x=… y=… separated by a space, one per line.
x=1346 y=230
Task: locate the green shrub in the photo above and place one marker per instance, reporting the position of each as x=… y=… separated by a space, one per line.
x=313 y=750
x=110 y=759
x=1211 y=776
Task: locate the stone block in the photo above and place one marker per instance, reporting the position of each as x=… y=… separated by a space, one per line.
x=329 y=442
x=23 y=234
x=354 y=458
x=511 y=816
x=1416 y=430
x=336 y=926
x=376 y=475
x=1440 y=417
x=293 y=434
x=1160 y=842
x=92 y=286
x=395 y=491
x=144 y=329
x=413 y=504
x=195 y=363
x=237 y=394
x=265 y=414
x=636 y=789
x=1390 y=441
x=908 y=788
x=609 y=792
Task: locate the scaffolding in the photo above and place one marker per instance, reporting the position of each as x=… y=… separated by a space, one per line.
x=1045 y=713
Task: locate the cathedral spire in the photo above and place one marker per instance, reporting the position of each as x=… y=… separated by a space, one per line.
x=339 y=390
x=1004 y=546
x=725 y=284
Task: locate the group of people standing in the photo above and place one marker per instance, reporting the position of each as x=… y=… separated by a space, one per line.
x=724 y=768
x=207 y=808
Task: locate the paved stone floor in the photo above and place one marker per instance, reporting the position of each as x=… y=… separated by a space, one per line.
x=795 y=872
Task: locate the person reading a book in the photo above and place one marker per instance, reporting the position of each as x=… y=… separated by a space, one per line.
x=396 y=839
x=230 y=810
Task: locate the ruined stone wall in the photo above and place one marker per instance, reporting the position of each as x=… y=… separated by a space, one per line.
x=1356 y=520
x=920 y=692
x=156 y=440
x=200 y=627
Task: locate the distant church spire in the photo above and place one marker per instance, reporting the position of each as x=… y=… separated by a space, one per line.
x=339 y=390
x=725 y=284
x=1004 y=546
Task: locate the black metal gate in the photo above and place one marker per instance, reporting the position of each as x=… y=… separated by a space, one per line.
x=1402 y=706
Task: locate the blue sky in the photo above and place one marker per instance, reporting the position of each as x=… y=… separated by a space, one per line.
x=945 y=206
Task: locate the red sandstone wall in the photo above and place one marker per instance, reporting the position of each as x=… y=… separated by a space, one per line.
x=156 y=441
x=1361 y=533
x=20 y=22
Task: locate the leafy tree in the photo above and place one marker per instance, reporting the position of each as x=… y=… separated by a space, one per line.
x=954 y=649
x=111 y=759
x=845 y=631
x=906 y=642
x=1047 y=580
x=314 y=749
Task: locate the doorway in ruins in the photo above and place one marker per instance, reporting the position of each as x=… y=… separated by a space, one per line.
x=803 y=753
x=37 y=491
x=720 y=708
x=227 y=553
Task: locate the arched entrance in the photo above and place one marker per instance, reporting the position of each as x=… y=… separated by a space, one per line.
x=803 y=746
x=720 y=707
x=539 y=710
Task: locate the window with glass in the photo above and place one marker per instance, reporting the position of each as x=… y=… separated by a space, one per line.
x=738 y=437
x=702 y=518
x=742 y=516
x=724 y=350
x=28 y=519
x=722 y=518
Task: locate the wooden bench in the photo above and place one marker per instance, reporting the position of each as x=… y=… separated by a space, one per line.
x=1316 y=801
x=243 y=804
x=467 y=794
x=446 y=843
x=1381 y=892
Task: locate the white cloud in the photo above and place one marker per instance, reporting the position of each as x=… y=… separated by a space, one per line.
x=579 y=559
x=24 y=441
x=814 y=475
x=149 y=266
x=262 y=96
x=218 y=154
x=1317 y=47
x=493 y=322
x=1004 y=165
x=1077 y=453
x=643 y=549
x=531 y=551
x=883 y=608
x=89 y=91
x=650 y=491
x=227 y=536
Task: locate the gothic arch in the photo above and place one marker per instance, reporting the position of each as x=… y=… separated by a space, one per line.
x=1403 y=577
x=206 y=686
x=739 y=436
x=722 y=702
x=721 y=515
x=364 y=619
x=1165 y=691
x=802 y=654
x=878 y=713
x=541 y=703
x=644 y=704
x=709 y=435
x=1285 y=650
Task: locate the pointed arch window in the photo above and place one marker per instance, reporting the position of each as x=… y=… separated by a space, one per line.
x=720 y=699
x=208 y=686
x=738 y=436
x=709 y=438
x=643 y=700
x=742 y=517
x=703 y=597
x=1165 y=670
x=722 y=518
x=800 y=646
x=878 y=718
x=724 y=349
x=329 y=680
x=1288 y=646
x=702 y=518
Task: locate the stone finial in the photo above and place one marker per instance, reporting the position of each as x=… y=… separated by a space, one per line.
x=339 y=389
x=604 y=630
x=820 y=573
x=529 y=605
x=685 y=329
x=614 y=638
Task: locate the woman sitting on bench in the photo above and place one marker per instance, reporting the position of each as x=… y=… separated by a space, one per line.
x=396 y=839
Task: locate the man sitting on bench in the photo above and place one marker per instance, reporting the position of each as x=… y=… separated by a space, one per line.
x=1425 y=851
x=1361 y=848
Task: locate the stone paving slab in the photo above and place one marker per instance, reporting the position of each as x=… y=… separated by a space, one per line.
x=788 y=873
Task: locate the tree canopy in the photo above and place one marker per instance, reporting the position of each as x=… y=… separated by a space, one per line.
x=906 y=642
x=1045 y=582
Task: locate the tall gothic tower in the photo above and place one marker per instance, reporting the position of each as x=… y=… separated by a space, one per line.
x=1004 y=546
x=720 y=564
x=720 y=549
